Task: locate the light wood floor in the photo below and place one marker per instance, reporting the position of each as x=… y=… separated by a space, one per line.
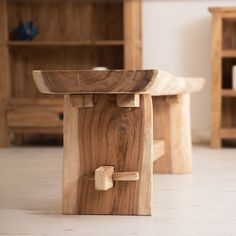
x=201 y=204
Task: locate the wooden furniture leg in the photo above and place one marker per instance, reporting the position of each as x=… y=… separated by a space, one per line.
x=105 y=134
x=172 y=124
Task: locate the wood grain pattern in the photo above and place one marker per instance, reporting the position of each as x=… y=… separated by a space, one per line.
x=109 y=81
x=116 y=81
x=82 y=100
x=128 y=100
x=107 y=135
x=216 y=85
x=168 y=84
x=172 y=124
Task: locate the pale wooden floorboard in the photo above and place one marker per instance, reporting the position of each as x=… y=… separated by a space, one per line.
x=202 y=203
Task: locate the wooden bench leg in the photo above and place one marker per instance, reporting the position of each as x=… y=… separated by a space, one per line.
x=100 y=132
x=4 y=134
x=172 y=124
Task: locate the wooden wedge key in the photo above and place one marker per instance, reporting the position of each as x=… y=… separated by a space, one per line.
x=105 y=175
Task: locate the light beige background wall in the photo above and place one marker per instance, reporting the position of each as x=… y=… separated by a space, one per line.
x=177 y=38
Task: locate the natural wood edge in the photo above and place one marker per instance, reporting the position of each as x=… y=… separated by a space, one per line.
x=115 y=82
x=94 y=82
x=40 y=82
x=167 y=84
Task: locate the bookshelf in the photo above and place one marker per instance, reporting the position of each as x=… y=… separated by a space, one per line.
x=74 y=34
x=223 y=58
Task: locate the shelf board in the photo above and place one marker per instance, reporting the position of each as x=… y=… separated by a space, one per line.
x=228 y=53
x=228 y=93
x=35 y=101
x=63 y=43
x=35 y=130
x=228 y=132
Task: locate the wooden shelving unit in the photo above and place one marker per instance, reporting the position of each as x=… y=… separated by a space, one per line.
x=74 y=34
x=223 y=58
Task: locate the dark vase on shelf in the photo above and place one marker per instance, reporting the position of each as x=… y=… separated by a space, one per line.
x=25 y=31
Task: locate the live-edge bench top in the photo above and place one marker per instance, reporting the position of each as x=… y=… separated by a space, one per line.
x=91 y=81
x=152 y=82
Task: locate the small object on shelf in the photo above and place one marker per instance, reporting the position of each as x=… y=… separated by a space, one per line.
x=99 y=68
x=25 y=31
x=234 y=77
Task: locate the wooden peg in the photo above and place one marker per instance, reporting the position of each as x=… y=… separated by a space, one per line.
x=125 y=176
x=80 y=101
x=105 y=175
x=128 y=100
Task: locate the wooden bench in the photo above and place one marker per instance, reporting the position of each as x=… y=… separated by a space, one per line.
x=171 y=117
x=108 y=135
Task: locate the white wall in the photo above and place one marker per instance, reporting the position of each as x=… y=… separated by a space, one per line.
x=177 y=38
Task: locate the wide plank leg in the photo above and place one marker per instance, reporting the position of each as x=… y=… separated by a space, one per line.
x=171 y=117
x=106 y=134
